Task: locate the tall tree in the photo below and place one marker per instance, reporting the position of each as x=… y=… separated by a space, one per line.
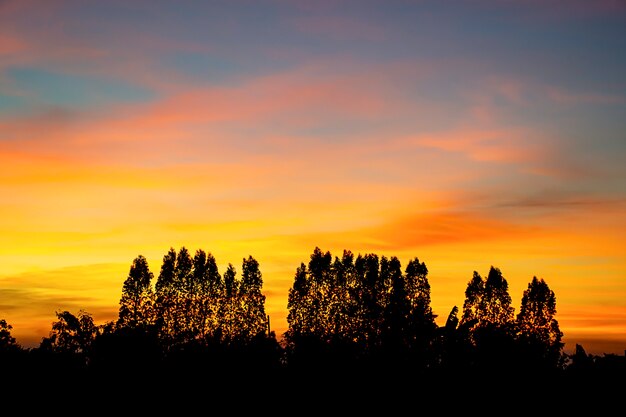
x=322 y=282
x=472 y=306
x=341 y=305
x=165 y=281
x=487 y=301
x=423 y=328
x=299 y=314
x=488 y=319
x=183 y=313
x=199 y=281
x=371 y=305
x=228 y=307
x=166 y=297
x=496 y=307
x=539 y=334
x=397 y=327
x=206 y=292
x=322 y=308
x=136 y=301
x=183 y=276
x=252 y=300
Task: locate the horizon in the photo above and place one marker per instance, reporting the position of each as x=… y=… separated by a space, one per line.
x=598 y=345
x=466 y=134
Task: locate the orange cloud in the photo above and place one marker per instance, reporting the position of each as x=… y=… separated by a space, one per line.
x=489 y=145
x=284 y=99
x=204 y=125
x=426 y=229
x=598 y=328
x=10 y=45
x=29 y=300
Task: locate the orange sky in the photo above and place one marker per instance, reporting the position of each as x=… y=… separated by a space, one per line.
x=464 y=138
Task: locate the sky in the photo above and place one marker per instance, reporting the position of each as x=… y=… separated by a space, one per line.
x=468 y=134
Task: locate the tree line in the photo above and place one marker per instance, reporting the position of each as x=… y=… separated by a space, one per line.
x=345 y=314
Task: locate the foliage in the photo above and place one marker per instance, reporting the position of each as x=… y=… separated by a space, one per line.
x=7 y=341
x=346 y=315
x=361 y=308
x=539 y=335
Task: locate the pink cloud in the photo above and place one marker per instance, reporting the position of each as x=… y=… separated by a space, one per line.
x=10 y=44
x=490 y=145
x=281 y=102
x=40 y=35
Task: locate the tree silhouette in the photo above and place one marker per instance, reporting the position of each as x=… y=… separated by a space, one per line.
x=7 y=342
x=175 y=289
x=370 y=308
x=183 y=297
x=206 y=291
x=342 y=301
x=496 y=307
x=453 y=344
x=362 y=310
x=539 y=336
x=251 y=300
x=349 y=317
x=488 y=319
x=487 y=301
x=71 y=334
x=166 y=299
x=13 y=358
x=68 y=346
x=199 y=318
x=228 y=307
x=299 y=317
x=422 y=325
x=136 y=302
x=396 y=333
x=322 y=312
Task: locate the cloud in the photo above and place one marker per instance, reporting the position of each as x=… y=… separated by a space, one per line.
x=426 y=228
x=499 y=145
x=339 y=28
x=10 y=45
x=444 y=228
x=566 y=97
x=558 y=200
x=557 y=10
x=29 y=300
x=598 y=328
x=232 y=119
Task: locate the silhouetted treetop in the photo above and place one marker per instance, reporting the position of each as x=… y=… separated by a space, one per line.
x=538 y=330
x=137 y=297
x=364 y=304
x=7 y=341
x=192 y=302
x=354 y=314
x=487 y=301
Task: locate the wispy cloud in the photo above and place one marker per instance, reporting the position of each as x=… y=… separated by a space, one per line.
x=565 y=97
x=29 y=301
x=339 y=28
x=490 y=145
x=559 y=201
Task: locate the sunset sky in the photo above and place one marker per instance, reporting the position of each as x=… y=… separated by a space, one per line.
x=464 y=133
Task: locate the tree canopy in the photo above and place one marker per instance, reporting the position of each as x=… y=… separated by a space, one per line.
x=345 y=313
